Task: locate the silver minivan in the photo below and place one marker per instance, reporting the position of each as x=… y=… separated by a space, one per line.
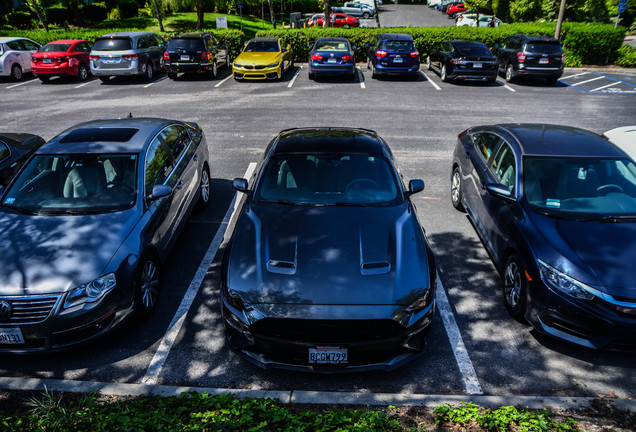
x=127 y=53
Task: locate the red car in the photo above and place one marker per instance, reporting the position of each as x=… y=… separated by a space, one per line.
x=455 y=9
x=342 y=20
x=62 y=58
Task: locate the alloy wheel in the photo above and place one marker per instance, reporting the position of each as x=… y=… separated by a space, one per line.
x=149 y=285
x=16 y=72
x=512 y=284
x=82 y=73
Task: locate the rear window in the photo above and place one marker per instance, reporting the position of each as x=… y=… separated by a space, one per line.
x=113 y=44
x=399 y=46
x=543 y=47
x=473 y=50
x=341 y=46
x=100 y=134
x=55 y=48
x=186 y=44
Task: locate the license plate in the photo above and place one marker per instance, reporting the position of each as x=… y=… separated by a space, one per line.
x=46 y=61
x=398 y=60
x=185 y=57
x=112 y=61
x=477 y=65
x=331 y=60
x=11 y=336
x=327 y=355
x=544 y=61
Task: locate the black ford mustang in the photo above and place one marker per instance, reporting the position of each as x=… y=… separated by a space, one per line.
x=328 y=268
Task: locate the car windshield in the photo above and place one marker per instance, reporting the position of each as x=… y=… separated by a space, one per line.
x=55 y=48
x=262 y=46
x=336 y=46
x=397 y=46
x=581 y=187
x=76 y=183
x=544 y=47
x=328 y=179
x=113 y=44
x=476 y=50
x=186 y=44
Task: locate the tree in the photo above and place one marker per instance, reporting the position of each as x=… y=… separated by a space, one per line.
x=198 y=6
x=478 y=6
x=158 y=12
x=525 y=10
x=34 y=5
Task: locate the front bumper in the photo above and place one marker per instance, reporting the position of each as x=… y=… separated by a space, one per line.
x=256 y=72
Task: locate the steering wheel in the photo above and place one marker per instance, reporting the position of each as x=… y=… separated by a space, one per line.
x=360 y=182
x=611 y=185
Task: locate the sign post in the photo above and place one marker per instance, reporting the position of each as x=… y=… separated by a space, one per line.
x=240 y=8
x=622 y=7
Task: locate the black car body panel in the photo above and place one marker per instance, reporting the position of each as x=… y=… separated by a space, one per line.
x=522 y=55
x=585 y=249
x=15 y=149
x=300 y=277
x=195 y=52
x=463 y=60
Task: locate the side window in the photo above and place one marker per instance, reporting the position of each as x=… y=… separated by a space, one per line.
x=4 y=151
x=158 y=165
x=142 y=43
x=15 y=45
x=485 y=143
x=504 y=167
x=176 y=139
x=30 y=46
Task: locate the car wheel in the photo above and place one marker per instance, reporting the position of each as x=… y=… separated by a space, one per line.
x=456 y=190
x=515 y=288
x=16 y=72
x=44 y=78
x=312 y=76
x=204 y=189
x=82 y=72
x=104 y=78
x=429 y=65
x=443 y=74
x=215 y=70
x=374 y=74
x=147 y=287
x=148 y=72
x=366 y=15
x=510 y=74
x=172 y=75
x=346 y=26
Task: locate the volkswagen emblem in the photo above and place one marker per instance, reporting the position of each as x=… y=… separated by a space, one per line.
x=5 y=311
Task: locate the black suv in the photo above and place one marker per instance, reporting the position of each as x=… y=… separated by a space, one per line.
x=521 y=55
x=195 y=52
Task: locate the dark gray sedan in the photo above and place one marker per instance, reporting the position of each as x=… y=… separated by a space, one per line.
x=328 y=268
x=15 y=149
x=86 y=224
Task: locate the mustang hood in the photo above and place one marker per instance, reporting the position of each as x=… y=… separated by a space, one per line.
x=258 y=58
x=328 y=255
x=602 y=252
x=51 y=254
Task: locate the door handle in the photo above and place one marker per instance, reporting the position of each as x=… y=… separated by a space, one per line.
x=180 y=184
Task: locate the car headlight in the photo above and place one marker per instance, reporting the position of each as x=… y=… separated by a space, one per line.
x=273 y=65
x=238 y=65
x=90 y=292
x=564 y=283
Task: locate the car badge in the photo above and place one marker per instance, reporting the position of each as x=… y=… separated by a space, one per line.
x=331 y=55
x=5 y=311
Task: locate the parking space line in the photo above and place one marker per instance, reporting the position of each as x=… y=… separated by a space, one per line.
x=22 y=83
x=222 y=81
x=361 y=76
x=85 y=84
x=465 y=365
x=590 y=80
x=160 y=357
x=575 y=75
x=605 y=86
x=615 y=79
x=509 y=88
x=431 y=81
x=291 y=83
x=156 y=81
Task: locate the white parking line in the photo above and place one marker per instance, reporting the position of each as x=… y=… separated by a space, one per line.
x=86 y=83
x=23 y=83
x=222 y=81
x=606 y=86
x=465 y=365
x=509 y=88
x=575 y=75
x=590 y=80
x=291 y=83
x=431 y=81
x=362 y=84
x=156 y=81
x=160 y=357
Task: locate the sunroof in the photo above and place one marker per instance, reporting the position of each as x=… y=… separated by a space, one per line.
x=100 y=134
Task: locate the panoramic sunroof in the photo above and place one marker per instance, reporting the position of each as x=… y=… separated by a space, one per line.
x=100 y=134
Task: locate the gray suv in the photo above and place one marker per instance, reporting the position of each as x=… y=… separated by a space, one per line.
x=127 y=53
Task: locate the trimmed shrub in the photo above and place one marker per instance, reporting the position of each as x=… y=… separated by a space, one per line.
x=128 y=8
x=59 y=14
x=20 y=20
x=94 y=12
x=626 y=56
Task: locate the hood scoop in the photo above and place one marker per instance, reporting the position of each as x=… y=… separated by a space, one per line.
x=375 y=268
x=281 y=267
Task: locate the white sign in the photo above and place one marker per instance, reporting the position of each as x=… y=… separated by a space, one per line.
x=221 y=22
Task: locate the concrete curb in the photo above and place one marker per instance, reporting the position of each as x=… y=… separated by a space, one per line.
x=310 y=397
x=624 y=71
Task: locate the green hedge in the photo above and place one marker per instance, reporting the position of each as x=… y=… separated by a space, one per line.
x=626 y=56
x=586 y=43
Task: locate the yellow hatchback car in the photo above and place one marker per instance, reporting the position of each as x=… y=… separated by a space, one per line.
x=263 y=58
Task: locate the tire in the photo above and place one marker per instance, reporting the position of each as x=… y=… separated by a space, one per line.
x=204 y=189
x=312 y=76
x=147 y=287
x=44 y=78
x=366 y=15
x=456 y=190
x=82 y=72
x=172 y=75
x=374 y=75
x=429 y=65
x=104 y=78
x=148 y=72
x=16 y=72
x=510 y=74
x=215 y=70
x=515 y=288
x=443 y=74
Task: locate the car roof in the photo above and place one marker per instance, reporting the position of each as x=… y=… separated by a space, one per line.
x=556 y=140
x=395 y=36
x=116 y=132
x=329 y=140
x=125 y=34
x=465 y=42
x=265 y=39
x=536 y=37
x=190 y=35
x=624 y=138
x=5 y=39
x=66 y=41
x=333 y=39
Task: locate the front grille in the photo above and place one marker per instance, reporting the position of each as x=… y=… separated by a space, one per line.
x=29 y=309
x=259 y=67
x=248 y=67
x=327 y=331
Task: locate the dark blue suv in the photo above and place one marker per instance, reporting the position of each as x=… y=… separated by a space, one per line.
x=393 y=53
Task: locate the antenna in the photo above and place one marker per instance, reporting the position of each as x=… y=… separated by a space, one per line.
x=130 y=115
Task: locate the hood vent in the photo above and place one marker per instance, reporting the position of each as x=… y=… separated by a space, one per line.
x=375 y=268
x=281 y=267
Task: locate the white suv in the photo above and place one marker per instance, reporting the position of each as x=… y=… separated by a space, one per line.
x=15 y=56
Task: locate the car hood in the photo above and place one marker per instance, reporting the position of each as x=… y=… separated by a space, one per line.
x=258 y=58
x=601 y=253
x=51 y=254
x=328 y=255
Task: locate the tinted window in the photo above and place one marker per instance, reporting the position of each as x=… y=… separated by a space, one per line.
x=473 y=50
x=158 y=165
x=99 y=134
x=4 y=151
x=30 y=46
x=176 y=138
x=262 y=46
x=55 y=48
x=186 y=44
x=544 y=47
x=15 y=45
x=113 y=44
x=485 y=143
x=399 y=46
x=341 y=46
x=504 y=168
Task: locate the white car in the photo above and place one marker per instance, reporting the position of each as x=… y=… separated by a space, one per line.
x=433 y=3
x=15 y=56
x=624 y=138
x=471 y=20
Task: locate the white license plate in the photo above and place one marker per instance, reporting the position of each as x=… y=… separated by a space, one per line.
x=185 y=57
x=11 y=336
x=477 y=65
x=46 y=61
x=331 y=60
x=398 y=60
x=544 y=61
x=328 y=355
x=112 y=61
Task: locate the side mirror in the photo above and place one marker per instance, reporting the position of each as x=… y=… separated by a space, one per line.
x=415 y=186
x=499 y=191
x=240 y=184
x=159 y=191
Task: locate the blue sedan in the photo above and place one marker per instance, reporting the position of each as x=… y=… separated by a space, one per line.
x=332 y=56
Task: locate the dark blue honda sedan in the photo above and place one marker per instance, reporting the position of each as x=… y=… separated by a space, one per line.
x=555 y=207
x=332 y=56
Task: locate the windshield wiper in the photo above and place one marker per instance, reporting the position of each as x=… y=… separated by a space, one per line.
x=21 y=210
x=612 y=218
x=285 y=202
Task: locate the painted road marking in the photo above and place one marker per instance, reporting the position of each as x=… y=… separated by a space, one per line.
x=160 y=357
x=156 y=81
x=469 y=377
x=86 y=83
x=509 y=88
x=431 y=81
x=22 y=83
x=605 y=86
x=590 y=80
x=221 y=82
x=361 y=77
x=291 y=83
x=575 y=75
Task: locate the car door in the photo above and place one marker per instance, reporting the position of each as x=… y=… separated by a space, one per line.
x=27 y=49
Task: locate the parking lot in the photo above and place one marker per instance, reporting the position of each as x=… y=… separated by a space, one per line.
x=475 y=347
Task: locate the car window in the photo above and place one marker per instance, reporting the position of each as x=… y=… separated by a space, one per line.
x=473 y=50
x=15 y=45
x=504 y=167
x=55 y=48
x=547 y=47
x=176 y=139
x=158 y=165
x=113 y=44
x=195 y=44
x=262 y=46
x=142 y=42
x=30 y=46
x=485 y=142
x=341 y=46
x=4 y=151
x=399 y=46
